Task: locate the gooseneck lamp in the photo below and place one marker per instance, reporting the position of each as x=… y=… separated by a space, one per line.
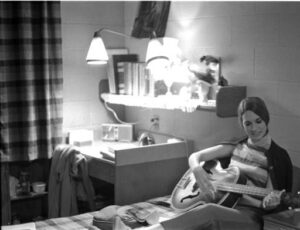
x=97 y=53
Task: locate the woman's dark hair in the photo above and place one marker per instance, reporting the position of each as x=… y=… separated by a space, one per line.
x=256 y=105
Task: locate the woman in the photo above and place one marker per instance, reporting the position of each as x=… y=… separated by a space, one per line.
x=259 y=158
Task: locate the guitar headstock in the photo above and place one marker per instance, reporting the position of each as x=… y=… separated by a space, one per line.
x=291 y=200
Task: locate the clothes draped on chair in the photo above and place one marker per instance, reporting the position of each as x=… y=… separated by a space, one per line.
x=31 y=82
x=68 y=182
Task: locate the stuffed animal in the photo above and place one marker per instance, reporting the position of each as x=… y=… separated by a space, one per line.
x=206 y=81
x=214 y=69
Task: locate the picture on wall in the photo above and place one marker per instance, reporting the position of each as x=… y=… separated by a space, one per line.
x=152 y=17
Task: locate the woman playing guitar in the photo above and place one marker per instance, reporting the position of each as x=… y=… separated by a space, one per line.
x=264 y=164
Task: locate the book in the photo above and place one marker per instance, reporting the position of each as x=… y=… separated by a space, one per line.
x=128 y=77
x=118 y=64
x=135 y=79
x=110 y=68
x=143 y=91
x=121 y=79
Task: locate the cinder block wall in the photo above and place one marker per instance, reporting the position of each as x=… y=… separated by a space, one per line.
x=258 y=41
x=82 y=108
x=260 y=46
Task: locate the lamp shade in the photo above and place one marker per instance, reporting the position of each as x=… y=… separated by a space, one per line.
x=155 y=50
x=171 y=48
x=97 y=53
x=156 y=56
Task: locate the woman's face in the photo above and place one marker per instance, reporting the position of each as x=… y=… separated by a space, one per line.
x=254 y=126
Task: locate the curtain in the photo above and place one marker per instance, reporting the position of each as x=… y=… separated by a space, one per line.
x=31 y=79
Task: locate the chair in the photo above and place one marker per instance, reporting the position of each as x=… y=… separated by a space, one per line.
x=68 y=182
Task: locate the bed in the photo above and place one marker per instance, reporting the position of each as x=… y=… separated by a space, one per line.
x=156 y=203
x=135 y=215
x=160 y=206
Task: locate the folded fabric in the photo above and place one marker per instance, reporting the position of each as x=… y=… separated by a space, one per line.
x=104 y=219
x=143 y=216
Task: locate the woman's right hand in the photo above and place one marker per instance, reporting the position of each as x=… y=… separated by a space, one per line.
x=206 y=187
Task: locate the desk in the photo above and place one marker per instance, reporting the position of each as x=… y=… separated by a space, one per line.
x=138 y=172
x=100 y=167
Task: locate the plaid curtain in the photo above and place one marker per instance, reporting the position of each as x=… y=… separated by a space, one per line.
x=31 y=79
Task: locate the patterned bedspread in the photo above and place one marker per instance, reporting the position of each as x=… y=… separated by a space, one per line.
x=82 y=221
x=153 y=210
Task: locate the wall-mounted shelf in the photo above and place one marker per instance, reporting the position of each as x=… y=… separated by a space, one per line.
x=159 y=102
x=225 y=104
x=32 y=195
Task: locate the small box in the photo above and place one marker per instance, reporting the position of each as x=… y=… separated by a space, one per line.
x=117 y=132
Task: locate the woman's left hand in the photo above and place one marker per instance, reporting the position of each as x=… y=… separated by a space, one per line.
x=272 y=200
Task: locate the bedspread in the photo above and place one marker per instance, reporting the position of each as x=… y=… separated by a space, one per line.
x=76 y=222
x=153 y=210
x=139 y=212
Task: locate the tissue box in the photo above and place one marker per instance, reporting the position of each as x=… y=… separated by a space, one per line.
x=81 y=137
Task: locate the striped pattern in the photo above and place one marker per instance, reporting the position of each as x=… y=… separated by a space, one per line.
x=31 y=81
x=161 y=206
x=252 y=163
x=77 y=222
x=84 y=221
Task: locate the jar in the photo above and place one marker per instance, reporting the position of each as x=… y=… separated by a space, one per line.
x=24 y=184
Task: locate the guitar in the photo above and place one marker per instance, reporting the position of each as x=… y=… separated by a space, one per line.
x=229 y=184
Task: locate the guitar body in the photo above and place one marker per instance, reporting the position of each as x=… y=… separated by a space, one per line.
x=229 y=186
x=187 y=194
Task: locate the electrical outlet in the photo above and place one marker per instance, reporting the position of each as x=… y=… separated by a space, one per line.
x=155 y=122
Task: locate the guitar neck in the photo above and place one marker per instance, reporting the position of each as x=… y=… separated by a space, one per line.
x=243 y=189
